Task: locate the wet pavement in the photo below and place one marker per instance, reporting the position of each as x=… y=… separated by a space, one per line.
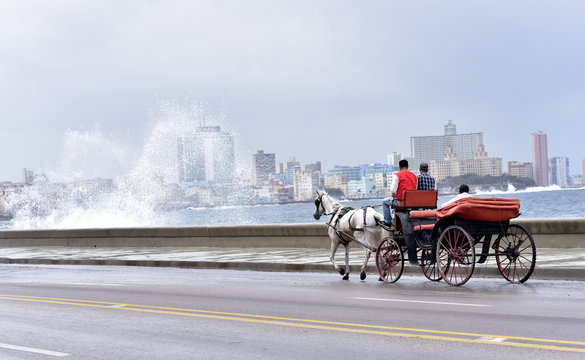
x=566 y=264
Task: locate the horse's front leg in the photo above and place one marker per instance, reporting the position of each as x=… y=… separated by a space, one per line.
x=334 y=246
x=346 y=277
x=363 y=270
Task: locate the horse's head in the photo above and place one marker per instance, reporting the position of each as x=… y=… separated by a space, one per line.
x=319 y=208
x=324 y=205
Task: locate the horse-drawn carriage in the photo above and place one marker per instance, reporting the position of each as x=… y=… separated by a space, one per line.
x=448 y=242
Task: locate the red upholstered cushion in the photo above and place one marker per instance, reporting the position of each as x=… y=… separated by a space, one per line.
x=424 y=227
x=482 y=209
x=422 y=214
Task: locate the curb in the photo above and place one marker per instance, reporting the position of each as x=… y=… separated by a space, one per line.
x=481 y=272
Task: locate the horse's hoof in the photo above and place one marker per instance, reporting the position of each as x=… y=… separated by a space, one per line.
x=363 y=276
x=341 y=271
x=346 y=277
x=380 y=279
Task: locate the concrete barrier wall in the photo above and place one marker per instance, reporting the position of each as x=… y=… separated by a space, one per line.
x=548 y=233
x=281 y=235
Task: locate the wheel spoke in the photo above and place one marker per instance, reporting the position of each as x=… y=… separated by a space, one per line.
x=389 y=260
x=515 y=254
x=455 y=255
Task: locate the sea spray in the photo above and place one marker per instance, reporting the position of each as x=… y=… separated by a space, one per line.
x=100 y=181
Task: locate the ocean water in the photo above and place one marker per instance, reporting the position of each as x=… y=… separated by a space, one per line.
x=535 y=203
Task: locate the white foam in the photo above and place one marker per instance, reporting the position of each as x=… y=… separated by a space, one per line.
x=75 y=194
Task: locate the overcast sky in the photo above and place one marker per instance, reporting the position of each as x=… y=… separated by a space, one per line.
x=344 y=82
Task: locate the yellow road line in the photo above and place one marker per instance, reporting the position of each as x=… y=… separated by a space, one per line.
x=308 y=323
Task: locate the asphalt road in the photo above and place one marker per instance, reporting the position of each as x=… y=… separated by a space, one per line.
x=85 y=312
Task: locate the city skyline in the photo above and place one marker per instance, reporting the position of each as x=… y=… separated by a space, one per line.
x=207 y=150
x=340 y=82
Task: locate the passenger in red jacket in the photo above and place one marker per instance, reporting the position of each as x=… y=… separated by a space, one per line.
x=401 y=181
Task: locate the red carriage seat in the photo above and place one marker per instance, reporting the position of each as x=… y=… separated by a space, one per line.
x=419 y=199
x=423 y=214
x=415 y=200
x=482 y=209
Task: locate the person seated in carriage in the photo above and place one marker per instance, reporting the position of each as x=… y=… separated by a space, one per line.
x=425 y=180
x=401 y=181
x=463 y=193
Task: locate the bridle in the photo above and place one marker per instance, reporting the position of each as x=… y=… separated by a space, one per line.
x=319 y=203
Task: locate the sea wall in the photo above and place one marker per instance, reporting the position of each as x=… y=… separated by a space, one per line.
x=548 y=233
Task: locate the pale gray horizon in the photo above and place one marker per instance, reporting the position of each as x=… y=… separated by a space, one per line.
x=342 y=82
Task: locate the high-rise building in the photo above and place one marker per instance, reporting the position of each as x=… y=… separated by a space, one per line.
x=394 y=158
x=450 y=128
x=559 y=169
x=316 y=167
x=262 y=165
x=206 y=155
x=540 y=159
x=520 y=169
x=291 y=168
x=428 y=148
x=28 y=176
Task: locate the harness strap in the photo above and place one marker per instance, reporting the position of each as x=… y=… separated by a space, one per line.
x=365 y=209
x=350 y=226
x=344 y=237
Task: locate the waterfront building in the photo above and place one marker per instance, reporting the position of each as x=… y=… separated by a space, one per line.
x=482 y=164
x=559 y=170
x=291 y=168
x=382 y=182
x=284 y=193
x=451 y=166
x=363 y=188
x=336 y=181
x=428 y=148
x=520 y=169
x=206 y=155
x=263 y=165
x=306 y=184
x=540 y=159
x=376 y=168
x=316 y=168
x=350 y=172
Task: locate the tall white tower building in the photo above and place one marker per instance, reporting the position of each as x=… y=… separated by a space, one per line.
x=206 y=155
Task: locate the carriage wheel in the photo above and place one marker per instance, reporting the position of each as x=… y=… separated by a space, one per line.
x=455 y=255
x=515 y=254
x=429 y=265
x=389 y=260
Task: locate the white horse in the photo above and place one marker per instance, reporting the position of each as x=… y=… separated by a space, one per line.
x=346 y=225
